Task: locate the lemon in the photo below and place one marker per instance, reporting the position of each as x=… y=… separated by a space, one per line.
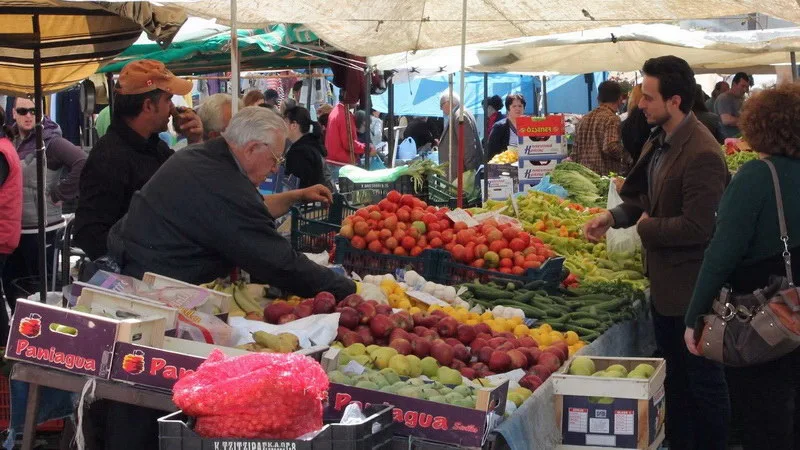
x=572 y=337
x=414 y=310
x=521 y=330
x=404 y=304
x=546 y=328
x=487 y=316
x=556 y=336
x=516 y=320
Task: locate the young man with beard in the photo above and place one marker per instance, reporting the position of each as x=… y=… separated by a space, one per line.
x=671 y=195
x=125 y=158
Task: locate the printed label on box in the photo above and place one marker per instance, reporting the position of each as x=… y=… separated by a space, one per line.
x=153 y=367
x=600 y=440
x=553 y=145
x=540 y=126
x=536 y=168
x=578 y=420
x=624 y=422
x=500 y=188
x=599 y=425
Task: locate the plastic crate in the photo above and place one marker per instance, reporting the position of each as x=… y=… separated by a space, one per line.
x=375 y=192
x=175 y=433
x=453 y=273
x=365 y=262
x=314 y=226
x=443 y=193
x=5 y=411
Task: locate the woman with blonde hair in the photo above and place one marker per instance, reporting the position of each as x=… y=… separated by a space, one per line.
x=635 y=129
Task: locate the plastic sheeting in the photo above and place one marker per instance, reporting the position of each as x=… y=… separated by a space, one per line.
x=622 y=48
x=383 y=27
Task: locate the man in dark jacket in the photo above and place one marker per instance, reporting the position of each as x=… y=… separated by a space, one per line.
x=448 y=152
x=218 y=220
x=671 y=196
x=130 y=152
x=64 y=164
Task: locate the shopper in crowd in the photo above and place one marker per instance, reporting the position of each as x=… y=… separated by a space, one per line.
x=729 y=104
x=123 y=160
x=720 y=88
x=448 y=152
x=363 y=133
x=10 y=206
x=671 y=196
x=305 y=158
x=64 y=164
x=215 y=114
x=376 y=127
x=598 y=144
x=709 y=119
x=341 y=138
x=323 y=112
x=297 y=89
x=493 y=106
x=635 y=129
x=746 y=251
x=504 y=132
x=272 y=99
x=253 y=98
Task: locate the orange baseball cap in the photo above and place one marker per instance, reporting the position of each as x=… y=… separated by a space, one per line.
x=145 y=75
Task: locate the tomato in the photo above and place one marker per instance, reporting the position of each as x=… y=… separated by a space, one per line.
x=408 y=243
x=375 y=246
x=429 y=218
x=519 y=260
x=516 y=244
x=402 y=226
x=413 y=232
x=505 y=270
x=422 y=241
x=372 y=223
x=358 y=242
x=531 y=257
x=361 y=228
x=469 y=253
x=479 y=263
x=347 y=231
x=416 y=251
x=375 y=215
x=400 y=251
x=433 y=234
x=506 y=253
x=529 y=250
x=517 y=270
x=525 y=238
x=532 y=264
x=480 y=239
x=399 y=235
x=496 y=246
x=506 y=262
x=417 y=214
x=434 y=226
x=436 y=242
x=490 y=223
x=403 y=215
x=393 y=196
x=458 y=252
x=372 y=235
x=380 y=225
x=458 y=226
x=447 y=236
x=420 y=204
x=494 y=235
x=391 y=243
x=463 y=237
x=510 y=233
x=432 y=210
x=480 y=250
x=385 y=251
x=407 y=200
x=386 y=205
x=384 y=234
x=445 y=223
x=363 y=213
x=449 y=246
x=390 y=223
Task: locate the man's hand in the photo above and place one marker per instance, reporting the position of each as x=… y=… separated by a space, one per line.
x=316 y=193
x=190 y=126
x=644 y=217
x=596 y=228
x=691 y=344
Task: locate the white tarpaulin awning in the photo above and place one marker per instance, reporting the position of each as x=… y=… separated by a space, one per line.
x=369 y=28
x=622 y=48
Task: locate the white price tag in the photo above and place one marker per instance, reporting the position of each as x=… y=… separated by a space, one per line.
x=515 y=205
x=426 y=298
x=623 y=422
x=459 y=215
x=354 y=368
x=578 y=420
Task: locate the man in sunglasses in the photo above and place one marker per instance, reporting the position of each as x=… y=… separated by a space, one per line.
x=64 y=164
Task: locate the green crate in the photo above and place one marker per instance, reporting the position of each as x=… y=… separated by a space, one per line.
x=314 y=225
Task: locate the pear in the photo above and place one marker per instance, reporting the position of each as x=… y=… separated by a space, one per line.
x=382 y=356
x=399 y=363
x=367 y=385
x=618 y=368
x=391 y=376
x=356 y=349
x=429 y=366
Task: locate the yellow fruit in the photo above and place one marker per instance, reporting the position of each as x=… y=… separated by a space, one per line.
x=516 y=320
x=414 y=310
x=534 y=333
x=556 y=336
x=572 y=337
x=472 y=322
x=545 y=327
x=521 y=330
x=543 y=340
x=448 y=309
x=433 y=308
x=404 y=304
x=487 y=316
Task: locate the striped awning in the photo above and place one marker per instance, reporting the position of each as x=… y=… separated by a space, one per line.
x=74 y=39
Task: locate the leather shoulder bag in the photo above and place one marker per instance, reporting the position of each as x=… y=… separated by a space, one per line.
x=750 y=329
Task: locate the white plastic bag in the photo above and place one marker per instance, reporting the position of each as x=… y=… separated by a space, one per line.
x=624 y=240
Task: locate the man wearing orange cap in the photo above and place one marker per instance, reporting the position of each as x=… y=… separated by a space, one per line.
x=125 y=158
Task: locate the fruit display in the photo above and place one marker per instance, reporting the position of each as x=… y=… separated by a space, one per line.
x=583 y=365
x=270 y=343
x=282 y=311
x=510 y=156
x=247 y=299
x=404 y=225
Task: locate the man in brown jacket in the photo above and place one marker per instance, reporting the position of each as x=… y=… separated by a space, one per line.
x=671 y=195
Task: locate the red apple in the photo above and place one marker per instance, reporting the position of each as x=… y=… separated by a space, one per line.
x=366 y=335
x=367 y=311
x=496 y=342
x=558 y=351
x=477 y=344
x=527 y=341
x=442 y=353
x=452 y=341
x=499 y=362
x=286 y=318
x=340 y=332
x=447 y=327
x=324 y=303
x=507 y=335
x=402 y=346
x=485 y=336
x=483 y=328
x=349 y=317
x=457 y=364
x=353 y=300
x=469 y=373
x=550 y=360
x=541 y=371
x=485 y=354
x=381 y=325
x=421 y=347
x=529 y=355
x=530 y=382
x=403 y=320
x=466 y=334
x=399 y=333
x=384 y=309
x=351 y=338
x=275 y=310
x=518 y=359
x=441 y=314
x=460 y=352
x=505 y=346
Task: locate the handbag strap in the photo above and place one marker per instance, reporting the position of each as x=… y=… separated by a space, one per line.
x=787 y=257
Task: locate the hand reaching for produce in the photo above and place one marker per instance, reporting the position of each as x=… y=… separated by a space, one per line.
x=596 y=228
x=691 y=344
x=316 y=193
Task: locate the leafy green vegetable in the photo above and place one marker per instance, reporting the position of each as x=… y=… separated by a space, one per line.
x=583 y=186
x=738 y=159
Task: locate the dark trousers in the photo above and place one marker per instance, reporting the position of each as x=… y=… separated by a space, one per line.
x=764 y=400
x=24 y=263
x=697 y=409
x=4 y=325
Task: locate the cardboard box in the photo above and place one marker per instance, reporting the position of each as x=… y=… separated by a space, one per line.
x=542 y=136
x=501 y=188
x=216 y=303
x=85 y=348
x=552 y=145
x=465 y=427
x=596 y=412
x=536 y=167
x=104 y=302
x=527 y=185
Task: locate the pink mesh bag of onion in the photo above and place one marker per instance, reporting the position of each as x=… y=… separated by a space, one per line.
x=254 y=396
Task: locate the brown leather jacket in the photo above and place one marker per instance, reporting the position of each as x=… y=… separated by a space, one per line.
x=682 y=203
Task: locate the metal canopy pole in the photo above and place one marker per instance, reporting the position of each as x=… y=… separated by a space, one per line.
x=460 y=174
x=794 y=65
x=390 y=118
x=485 y=136
x=544 y=94
x=40 y=158
x=234 y=60
x=450 y=123
x=368 y=111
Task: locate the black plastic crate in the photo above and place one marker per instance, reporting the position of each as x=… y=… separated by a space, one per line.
x=452 y=273
x=372 y=193
x=314 y=226
x=442 y=193
x=175 y=432
x=365 y=262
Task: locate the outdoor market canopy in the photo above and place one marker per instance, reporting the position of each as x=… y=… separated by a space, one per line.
x=382 y=27
x=74 y=38
x=278 y=46
x=622 y=48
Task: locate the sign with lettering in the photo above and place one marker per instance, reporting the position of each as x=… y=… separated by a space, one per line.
x=151 y=366
x=528 y=126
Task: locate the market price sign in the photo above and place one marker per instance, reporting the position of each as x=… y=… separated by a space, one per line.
x=543 y=127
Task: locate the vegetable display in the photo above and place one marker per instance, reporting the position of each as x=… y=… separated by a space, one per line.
x=583 y=185
x=736 y=160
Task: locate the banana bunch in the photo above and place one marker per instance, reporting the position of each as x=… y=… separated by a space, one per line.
x=509 y=156
x=270 y=343
x=243 y=305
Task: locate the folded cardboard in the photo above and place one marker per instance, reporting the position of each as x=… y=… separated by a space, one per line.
x=599 y=412
x=74 y=341
x=215 y=302
x=105 y=302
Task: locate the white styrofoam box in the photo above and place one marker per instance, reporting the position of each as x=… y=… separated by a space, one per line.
x=536 y=146
x=536 y=167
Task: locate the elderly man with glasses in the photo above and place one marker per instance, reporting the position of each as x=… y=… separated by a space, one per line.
x=201 y=215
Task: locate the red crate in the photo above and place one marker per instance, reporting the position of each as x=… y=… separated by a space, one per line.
x=5 y=411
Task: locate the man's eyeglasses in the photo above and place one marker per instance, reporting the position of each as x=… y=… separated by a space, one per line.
x=279 y=158
x=25 y=111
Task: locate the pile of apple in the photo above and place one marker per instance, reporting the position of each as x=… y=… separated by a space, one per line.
x=405 y=225
x=282 y=311
x=474 y=350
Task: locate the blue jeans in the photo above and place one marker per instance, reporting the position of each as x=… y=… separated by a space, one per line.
x=698 y=408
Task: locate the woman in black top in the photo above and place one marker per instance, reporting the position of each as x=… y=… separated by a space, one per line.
x=504 y=131
x=709 y=119
x=635 y=129
x=305 y=159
